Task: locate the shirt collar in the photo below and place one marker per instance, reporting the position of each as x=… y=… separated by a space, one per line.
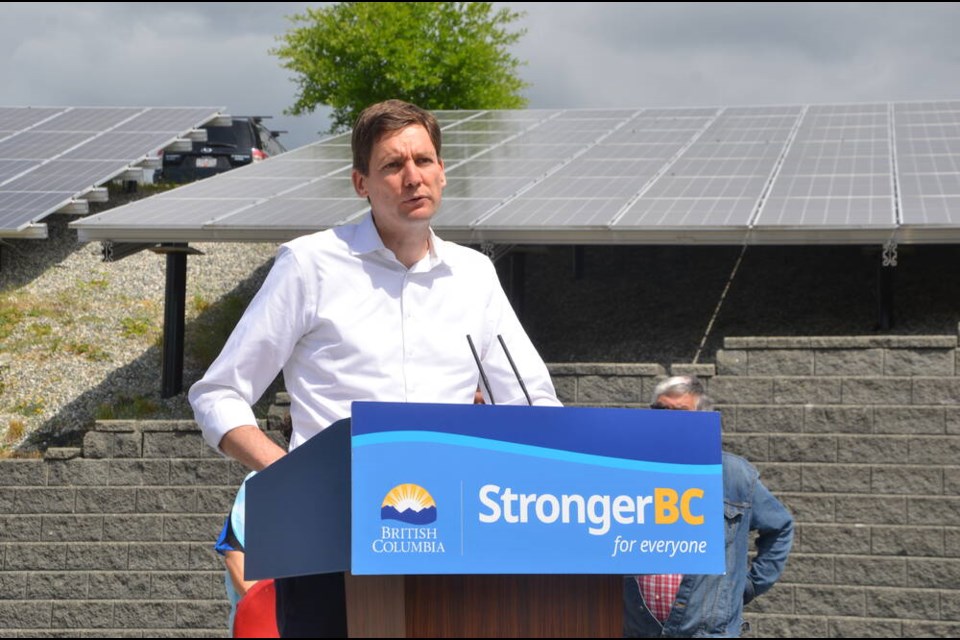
x=367 y=240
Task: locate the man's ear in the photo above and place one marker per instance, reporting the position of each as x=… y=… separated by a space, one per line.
x=443 y=173
x=359 y=183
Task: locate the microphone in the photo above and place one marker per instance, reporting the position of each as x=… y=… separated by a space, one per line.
x=515 y=371
x=483 y=374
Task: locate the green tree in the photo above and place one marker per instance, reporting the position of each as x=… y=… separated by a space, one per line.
x=437 y=55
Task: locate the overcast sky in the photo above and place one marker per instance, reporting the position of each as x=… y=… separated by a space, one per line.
x=576 y=54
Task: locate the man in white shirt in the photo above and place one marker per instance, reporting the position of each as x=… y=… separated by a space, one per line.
x=378 y=310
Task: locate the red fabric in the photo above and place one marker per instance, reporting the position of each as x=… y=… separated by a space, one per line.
x=659 y=592
x=257 y=612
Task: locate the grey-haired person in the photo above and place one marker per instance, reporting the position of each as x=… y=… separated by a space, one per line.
x=677 y=605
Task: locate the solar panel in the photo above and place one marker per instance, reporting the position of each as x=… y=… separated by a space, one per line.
x=928 y=163
x=50 y=155
x=761 y=174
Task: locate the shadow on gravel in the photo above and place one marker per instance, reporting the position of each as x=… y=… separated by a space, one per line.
x=135 y=387
x=23 y=261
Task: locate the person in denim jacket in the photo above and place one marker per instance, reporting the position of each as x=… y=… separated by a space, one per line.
x=712 y=605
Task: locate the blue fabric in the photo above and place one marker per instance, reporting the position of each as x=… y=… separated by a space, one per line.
x=712 y=605
x=231 y=539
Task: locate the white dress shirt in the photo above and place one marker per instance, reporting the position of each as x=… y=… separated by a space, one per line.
x=345 y=321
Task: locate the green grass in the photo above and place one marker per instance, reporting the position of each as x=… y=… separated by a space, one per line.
x=125 y=408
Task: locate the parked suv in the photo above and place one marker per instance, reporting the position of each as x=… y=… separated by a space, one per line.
x=246 y=140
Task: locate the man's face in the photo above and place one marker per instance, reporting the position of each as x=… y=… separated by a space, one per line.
x=687 y=402
x=406 y=179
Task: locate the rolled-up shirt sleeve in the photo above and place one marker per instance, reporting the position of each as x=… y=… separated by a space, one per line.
x=254 y=353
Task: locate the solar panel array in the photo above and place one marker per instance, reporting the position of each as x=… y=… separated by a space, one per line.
x=771 y=174
x=51 y=155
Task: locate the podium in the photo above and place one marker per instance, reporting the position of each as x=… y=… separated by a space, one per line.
x=491 y=521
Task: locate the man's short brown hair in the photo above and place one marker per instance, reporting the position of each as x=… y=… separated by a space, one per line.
x=385 y=117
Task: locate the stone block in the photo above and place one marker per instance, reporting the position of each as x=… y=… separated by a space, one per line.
x=829 y=601
x=19 y=528
x=13 y=586
x=809 y=508
x=133 y=528
x=183 y=528
x=942 y=511
x=909 y=420
x=838 y=419
x=827 y=539
x=807 y=390
x=106 y=500
x=731 y=362
x=166 y=500
x=864 y=628
x=16 y=614
x=882 y=391
x=215 y=500
x=769 y=419
x=933 y=573
x=698 y=370
x=907 y=541
x=610 y=389
x=936 y=391
x=35 y=557
x=871 y=572
x=932 y=450
x=56 y=586
x=740 y=390
x=907 y=480
x=202 y=615
x=72 y=528
x=917 y=629
x=797 y=448
x=751 y=447
x=44 y=500
x=790 y=627
x=200 y=472
x=780 y=476
x=865 y=449
x=82 y=615
x=836 y=478
x=186 y=586
x=808 y=569
x=145 y=615
x=901 y=603
x=566 y=388
x=872 y=509
x=98 y=444
x=22 y=473
x=172 y=556
x=920 y=362
x=78 y=472
x=96 y=557
x=177 y=444
x=780 y=362
x=120 y=586
x=132 y=473
x=849 y=362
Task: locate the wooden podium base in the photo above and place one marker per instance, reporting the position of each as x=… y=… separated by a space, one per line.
x=485 y=606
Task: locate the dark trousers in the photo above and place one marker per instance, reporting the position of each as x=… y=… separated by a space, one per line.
x=312 y=606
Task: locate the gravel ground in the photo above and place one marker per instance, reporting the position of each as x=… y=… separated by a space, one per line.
x=85 y=340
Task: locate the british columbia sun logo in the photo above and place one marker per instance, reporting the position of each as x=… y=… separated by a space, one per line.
x=409 y=503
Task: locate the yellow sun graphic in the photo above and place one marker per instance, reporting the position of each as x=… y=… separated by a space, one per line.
x=408 y=496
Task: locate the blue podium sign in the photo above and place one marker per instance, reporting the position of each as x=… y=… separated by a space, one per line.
x=479 y=489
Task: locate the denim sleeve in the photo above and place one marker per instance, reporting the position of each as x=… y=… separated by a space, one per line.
x=775 y=526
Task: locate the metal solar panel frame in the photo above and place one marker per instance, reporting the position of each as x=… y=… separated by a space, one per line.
x=52 y=157
x=781 y=174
